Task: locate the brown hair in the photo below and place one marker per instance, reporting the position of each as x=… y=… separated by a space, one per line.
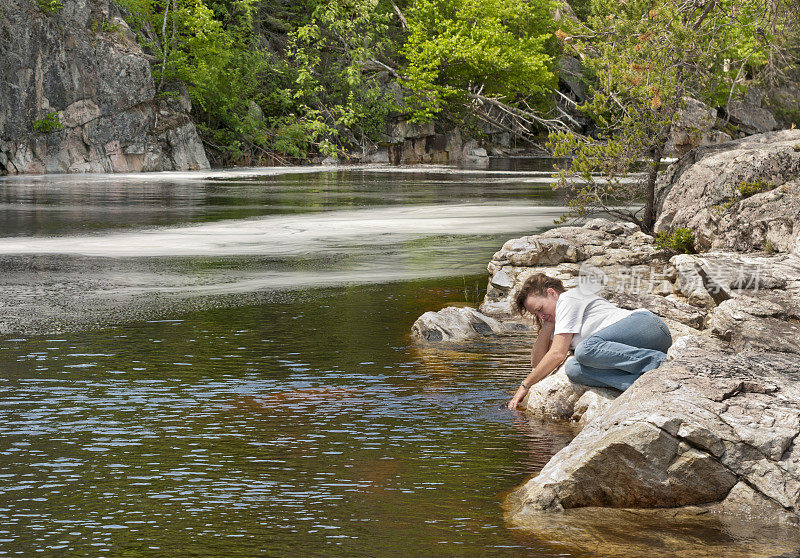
x=536 y=285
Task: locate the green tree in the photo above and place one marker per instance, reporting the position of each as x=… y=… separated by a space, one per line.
x=232 y=78
x=643 y=59
x=340 y=80
x=479 y=50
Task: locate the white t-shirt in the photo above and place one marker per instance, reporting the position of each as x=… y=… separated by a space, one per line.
x=584 y=314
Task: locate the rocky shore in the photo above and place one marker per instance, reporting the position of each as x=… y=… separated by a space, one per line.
x=714 y=430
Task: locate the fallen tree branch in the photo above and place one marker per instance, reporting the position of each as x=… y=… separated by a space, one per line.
x=528 y=117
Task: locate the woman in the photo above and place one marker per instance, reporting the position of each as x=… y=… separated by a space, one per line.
x=612 y=346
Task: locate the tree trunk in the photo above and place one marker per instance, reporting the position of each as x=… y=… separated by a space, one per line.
x=649 y=217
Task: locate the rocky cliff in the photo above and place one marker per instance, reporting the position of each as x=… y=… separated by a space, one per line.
x=713 y=431
x=77 y=95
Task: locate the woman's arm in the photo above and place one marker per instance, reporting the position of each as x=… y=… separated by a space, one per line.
x=551 y=360
x=542 y=344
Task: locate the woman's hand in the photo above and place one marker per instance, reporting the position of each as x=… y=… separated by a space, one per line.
x=522 y=391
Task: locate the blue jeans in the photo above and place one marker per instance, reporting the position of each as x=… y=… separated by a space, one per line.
x=618 y=354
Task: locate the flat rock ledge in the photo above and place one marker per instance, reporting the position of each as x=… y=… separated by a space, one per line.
x=712 y=431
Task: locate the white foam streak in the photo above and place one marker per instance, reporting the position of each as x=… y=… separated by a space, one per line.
x=286 y=236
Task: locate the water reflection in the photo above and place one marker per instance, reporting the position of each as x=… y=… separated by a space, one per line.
x=313 y=425
x=59 y=204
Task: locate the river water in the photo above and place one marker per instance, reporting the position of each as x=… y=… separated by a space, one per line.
x=209 y=364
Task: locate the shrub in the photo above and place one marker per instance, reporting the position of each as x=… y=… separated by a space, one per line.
x=721 y=208
x=678 y=240
x=103 y=26
x=49 y=123
x=50 y=6
x=753 y=187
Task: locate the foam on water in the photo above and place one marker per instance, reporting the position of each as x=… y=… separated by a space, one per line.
x=332 y=232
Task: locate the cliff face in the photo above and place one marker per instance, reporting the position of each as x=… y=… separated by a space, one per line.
x=81 y=65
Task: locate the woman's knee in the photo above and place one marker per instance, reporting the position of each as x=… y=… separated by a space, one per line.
x=573 y=370
x=585 y=347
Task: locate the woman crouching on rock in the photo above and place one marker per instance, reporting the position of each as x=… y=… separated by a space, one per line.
x=612 y=346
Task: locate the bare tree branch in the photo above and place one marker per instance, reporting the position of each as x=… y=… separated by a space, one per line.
x=527 y=117
x=400 y=16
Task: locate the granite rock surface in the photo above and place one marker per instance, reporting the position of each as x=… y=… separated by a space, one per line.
x=80 y=69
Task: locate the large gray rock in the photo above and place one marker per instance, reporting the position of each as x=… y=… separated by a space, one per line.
x=84 y=63
x=765 y=221
x=702 y=187
x=769 y=321
x=749 y=114
x=539 y=250
x=693 y=127
x=688 y=434
x=456 y=324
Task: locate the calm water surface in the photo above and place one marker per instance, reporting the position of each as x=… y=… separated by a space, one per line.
x=307 y=423
x=266 y=399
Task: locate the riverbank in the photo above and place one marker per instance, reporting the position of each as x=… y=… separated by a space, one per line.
x=712 y=431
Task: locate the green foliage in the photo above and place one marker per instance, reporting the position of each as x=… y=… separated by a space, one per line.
x=339 y=81
x=322 y=91
x=678 y=240
x=768 y=247
x=280 y=78
x=501 y=48
x=753 y=187
x=103 y=26
x=50 y=122
x=50 y=6
x=721 y=208
x=643 y=59
x=221 y=59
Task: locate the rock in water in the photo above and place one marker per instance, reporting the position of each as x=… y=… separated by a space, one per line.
x=691 y=431
x=455 y=324
x=77 y=95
